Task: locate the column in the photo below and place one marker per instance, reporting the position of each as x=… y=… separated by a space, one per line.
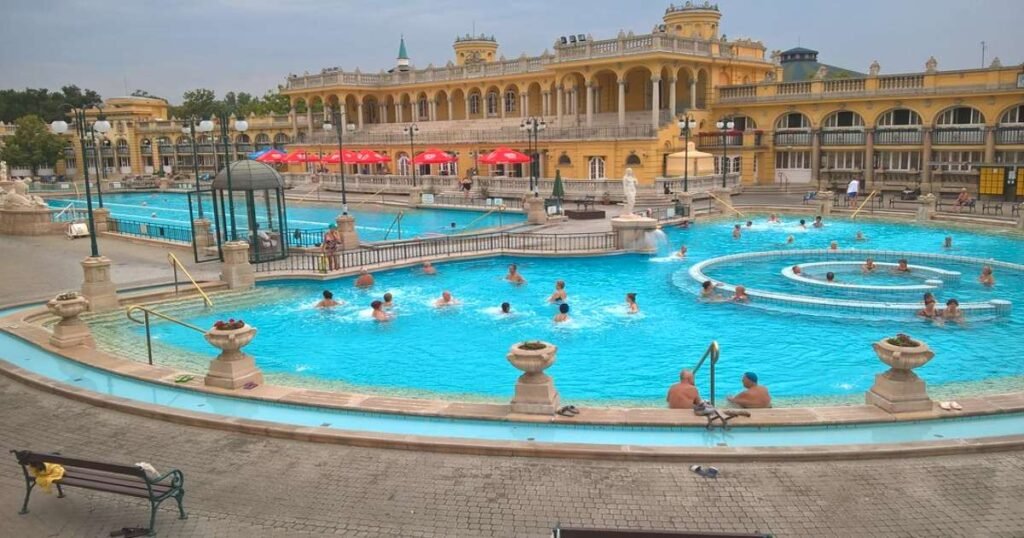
x=466 y=105
x=693 y=93
x=590 y=103
x=926 y=159
x=672 y=96
x=816 y=157
x=990 y=145
x=431 y=110
x=558 y=103
x=524 y=108
x=309 y=123
x=451 y=109
x=359 y=110
x=383 y=113
x=501 y=104
x=545 y=103
x=575 y=101
x=398 y=111
x=869 y=158
x=655 y=99
x=291 y=117
x=622 y=102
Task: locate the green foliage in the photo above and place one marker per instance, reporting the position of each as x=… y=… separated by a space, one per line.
x=32 y=145
x=201 y=103
x=43 y=103
x=204 y=103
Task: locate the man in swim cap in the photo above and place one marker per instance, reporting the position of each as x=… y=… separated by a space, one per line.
x=755 y=396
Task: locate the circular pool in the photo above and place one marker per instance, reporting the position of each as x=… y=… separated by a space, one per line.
x=606 y=356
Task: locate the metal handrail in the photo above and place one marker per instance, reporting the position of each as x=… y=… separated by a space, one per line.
x=474 y=221
x=175 y=264
x=70 y=205
x=145 y=321
x=398 y=220
x=726 y=204
x=862 y=204
x=364 y=202
x=713 y=351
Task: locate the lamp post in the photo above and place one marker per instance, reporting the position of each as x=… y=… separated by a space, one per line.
x=101 y=126
x=240 y=126
x=686 y=125
x=724 y=125
x=61 y=127
x=533 y=125
x=411 y=130
x=339 y=126
x=203 y=126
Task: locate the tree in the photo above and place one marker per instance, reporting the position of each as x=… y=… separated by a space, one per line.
x=43 y=103
x=144 y=93
x=276 y=103
x=200 y=102
x=79 y=98
x=32 y=145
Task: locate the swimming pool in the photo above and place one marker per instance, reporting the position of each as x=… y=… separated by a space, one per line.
x=606 y=356
x=372 y=222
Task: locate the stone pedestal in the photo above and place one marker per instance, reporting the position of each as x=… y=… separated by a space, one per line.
x=535 y=391
x=97 y=286
x=1020 y=220
x=534 y=208
x=201 y=232
x=685 y=199
x=926 y=207
x=232 y=369
x=25 y=221
x=70 y=330
x=164 y=184
x=634 y=233
x=347 y=230
x=236 y=270
x=101 y=217
x=899 y=390
x=415 y=196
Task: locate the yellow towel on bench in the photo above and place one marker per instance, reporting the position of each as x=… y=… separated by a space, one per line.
x=50 y=474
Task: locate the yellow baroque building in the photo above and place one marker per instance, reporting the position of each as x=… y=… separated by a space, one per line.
x=611 y=104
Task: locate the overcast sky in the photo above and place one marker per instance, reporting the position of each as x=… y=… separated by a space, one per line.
x=167 y=47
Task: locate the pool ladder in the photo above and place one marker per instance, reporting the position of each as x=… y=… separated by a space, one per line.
x=175 y=265
x=712 y=352
x=397 y=222
x=145 y=321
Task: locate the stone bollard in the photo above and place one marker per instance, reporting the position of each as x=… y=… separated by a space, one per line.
x=926 y=207
x=685 y=200
x=201 y=232
x=347 y=229
x=415 y=196
x=96 y=286
x=232 y=369
x=236 y=269
x=101 y=216
x=534 y=208
x=633 y=233
x=899 y=390
x=164 y=184
x=1020 y=220
x=70 y=330
x=535 y=391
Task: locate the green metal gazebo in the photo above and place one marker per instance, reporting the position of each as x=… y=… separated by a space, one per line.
x=251 y=208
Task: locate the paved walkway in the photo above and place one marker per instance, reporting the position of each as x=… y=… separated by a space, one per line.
x=242 y=485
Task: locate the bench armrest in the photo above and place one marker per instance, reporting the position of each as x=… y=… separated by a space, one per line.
x=177 y=479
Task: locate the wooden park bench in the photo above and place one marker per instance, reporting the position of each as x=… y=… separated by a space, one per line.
x=949 y=199
x=586 y=203
x=127 y=480
x=995 y=205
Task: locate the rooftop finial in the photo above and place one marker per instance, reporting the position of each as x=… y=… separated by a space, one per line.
x=402 y=54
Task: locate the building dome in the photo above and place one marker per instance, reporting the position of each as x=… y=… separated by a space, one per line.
x=249 y=176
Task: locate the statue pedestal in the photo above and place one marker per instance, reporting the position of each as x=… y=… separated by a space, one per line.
x=898 y=389
x=101 y=217
x=632 y=233
x=201 y=232
x=926 y=207
x=347 y=230
x=164 y=184
x=97 y=287
x=232 y=369
x=25 y=221
x=535 y=392
x=534 y=208
x=236 y=270
x=70 y=330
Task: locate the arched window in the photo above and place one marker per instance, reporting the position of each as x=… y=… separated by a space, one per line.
x=742 y=123
x=404 y=168
x=843 y=119
x=564 y=160
x=596 y=168
x=510 y=101
x=961 y=115
x=262 y=141
x=181 y=140
x=492 y=104
x=242 y=139
x=280 y=139
x=633 y=160
x=793 y=120
x=1014 y=115
x=900 y=117
x=422 y=109
x=449 y=169
x=474 y=103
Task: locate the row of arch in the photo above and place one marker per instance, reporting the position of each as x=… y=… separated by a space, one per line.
x=896 y=117
x=264 y=139
x=690 y=87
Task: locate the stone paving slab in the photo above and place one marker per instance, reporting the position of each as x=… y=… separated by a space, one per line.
x=245 y=485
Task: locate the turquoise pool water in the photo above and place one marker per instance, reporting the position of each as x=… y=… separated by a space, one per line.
x=606 y=355
x=69 y=372
x=372 y=222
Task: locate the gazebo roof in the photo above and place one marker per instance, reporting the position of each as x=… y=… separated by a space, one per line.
x=249 y=176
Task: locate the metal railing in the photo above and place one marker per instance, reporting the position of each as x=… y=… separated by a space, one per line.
x=713 y=352
x=306 y=238
x=176 y=264
x=150 y=230
x=396 y=222
x=958 y=136
x=145 y=321
x=472 y=201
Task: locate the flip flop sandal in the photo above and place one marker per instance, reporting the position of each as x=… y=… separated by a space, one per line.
x=956 y=406
x=184 y=378
x=565 y=412
x=945 y=406
x=572 y=409
x=249 y=386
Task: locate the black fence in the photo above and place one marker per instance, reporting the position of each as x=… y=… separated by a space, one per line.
x=149 y=230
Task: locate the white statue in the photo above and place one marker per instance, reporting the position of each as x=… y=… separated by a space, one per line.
x=874 y=68
x=3 y=170
x=18 y=196
x=629 y=189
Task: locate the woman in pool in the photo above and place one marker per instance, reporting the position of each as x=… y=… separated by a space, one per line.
x=901 y=267
x=736 y=232
x=563 y=313
x=952 y=312
x=833 y=245
x=773 y=219
x=830 y=276
x=868 y=266
x=329 y=246
x=328 y=300
x=378 y=312
x=797 y=270
x=428 y=269
x=818 y=223
x=986 y=278
x=631 y=305
x=682 y=252
x=790 y=240
x=740 y=295
x=513 y=275
x=709 y=291
x=860 y=236
x=929 y=311
x=750 y=224
x=559 y=295
x=947 y=243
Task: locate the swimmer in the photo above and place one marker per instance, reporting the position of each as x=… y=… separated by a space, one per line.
x=790 y=240
x=753 y=395
x=736 y=233
x=797 y=270
x=428 y=269
x=708 y=290
x=145 y=203
x=833 y=245
x=563 y=313
x=860 y=236
x=506 y=308
x=683 y=395
x=152 y=215
x=830 y=276
x=328 y=301
x=948 y=242
x=446 y=300
x=773 y=219
x=365 y=279
x=953 y=312
x=818 y=223
x=378 y=312
x=631 y=305
x=749 y=224
x=901 y=266
x=929 y=311
x=685 y=224
x=986 y=277
x=513 y=275
x=559 y=294
x=388 y=301
x=868 y=266
x=682 y=251
x=740 y=295
x=803 y=224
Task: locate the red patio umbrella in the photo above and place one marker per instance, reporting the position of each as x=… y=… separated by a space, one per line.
x=434 y=156
x=349 y=157
x=505 y=155
x=368 y=156
x=272 y=156
x=301 y=156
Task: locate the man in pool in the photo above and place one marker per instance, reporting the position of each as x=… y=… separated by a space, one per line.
x=513 y=275
x=750 y=223
x=709 y=291
x=559 y=295
x=868 y=266
x=631 y=306
x=506 y=308
x=790 y=240
x=947 y=243
x=834 y=245
x=736 y=232
x=740 y=295
x=797 y=270
x=818 y=223
x=754 y=396
x=446 y=300
x=987 y=279
x=929 y=311
x=328 y=300
x=860 y=236
x=902 y=266
x=830 y=276
x=952 y=311
x=388 y=301
x=773 y=219
x=428 y=269
x=563 y=313
x=365 y=279
x=803 y=224
x=684 y=394
x=682 y=251
x=378 y=312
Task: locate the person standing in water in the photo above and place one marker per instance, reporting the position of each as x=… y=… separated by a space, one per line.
x=513 y=275
x=631 y=305
x=987 y=279
x=563 y=313
x=328 y=300
x=559 y=295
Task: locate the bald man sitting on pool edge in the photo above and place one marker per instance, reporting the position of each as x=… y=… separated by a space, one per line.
x=755 y=396
x=684 y=394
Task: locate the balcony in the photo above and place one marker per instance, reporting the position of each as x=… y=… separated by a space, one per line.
x=146 y=150
x=714 y=140
x=898 y=137
x=802 y=138
x=842 y=138
x=1010 y=135
x=958 y=136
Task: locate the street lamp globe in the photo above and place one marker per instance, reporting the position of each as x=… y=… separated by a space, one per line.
x=59 y=126
x=101 y=126
x=352 y=127
x=328 y=126
x=205 y=126
x=185 y=130
x=241 y=125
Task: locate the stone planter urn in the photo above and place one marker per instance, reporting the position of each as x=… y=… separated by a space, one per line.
x=232 y=369
x=899 y=390
x=535 y=391
x=70 y=330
